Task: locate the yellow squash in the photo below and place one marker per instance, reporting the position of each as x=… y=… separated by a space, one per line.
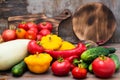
x=38 y=63
x=66 y=45
x=51 y=42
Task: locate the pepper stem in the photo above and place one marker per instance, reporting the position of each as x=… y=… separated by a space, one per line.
x=88 y=45
x=76 y=61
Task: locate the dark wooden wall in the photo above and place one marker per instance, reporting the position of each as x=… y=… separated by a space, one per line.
x=52 y=8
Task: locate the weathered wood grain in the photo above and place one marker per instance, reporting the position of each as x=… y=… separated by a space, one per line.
x=54 y=7
x=3 y=24
x=94 y=21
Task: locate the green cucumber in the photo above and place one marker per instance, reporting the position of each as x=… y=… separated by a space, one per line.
x=19 y=69
x=92 y=53
x=111 y=49
x=90 y=68
x=116 y=60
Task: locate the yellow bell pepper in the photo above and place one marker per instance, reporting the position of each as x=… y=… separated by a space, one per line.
x=51 y=42
x=66 y=45
x=38 y=63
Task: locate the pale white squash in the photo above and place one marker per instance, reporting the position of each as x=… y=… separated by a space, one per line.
x=12 y=52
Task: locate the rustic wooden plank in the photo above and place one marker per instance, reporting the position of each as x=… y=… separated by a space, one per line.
x=12 y=8
x=1 y=1
x=3 y=25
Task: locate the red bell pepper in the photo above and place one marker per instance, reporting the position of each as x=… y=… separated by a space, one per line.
x=80 y=48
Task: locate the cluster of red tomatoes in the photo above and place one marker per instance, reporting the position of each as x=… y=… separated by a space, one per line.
x=28 y=30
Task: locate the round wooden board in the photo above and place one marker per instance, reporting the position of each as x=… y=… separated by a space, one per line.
x=94 y=21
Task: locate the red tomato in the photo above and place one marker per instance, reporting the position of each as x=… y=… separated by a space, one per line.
x=34 y=48
x=31 y=25
x=79 y=73
x=30 y=34
x=103 y=67
x=44 y=32
x=23 y=26
x=39 y=37
x=34 y=29
x=45 y=25
x=61 y=68
x=8 y=35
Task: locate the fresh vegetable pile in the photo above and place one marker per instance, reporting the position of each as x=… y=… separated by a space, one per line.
x=33 y=47
x=28 y=30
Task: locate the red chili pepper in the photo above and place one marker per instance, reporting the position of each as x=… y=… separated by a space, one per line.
x=34 y=48
x=71 y=60
x=80 y=48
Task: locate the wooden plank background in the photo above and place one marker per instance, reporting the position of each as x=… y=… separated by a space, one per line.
x=52 y=8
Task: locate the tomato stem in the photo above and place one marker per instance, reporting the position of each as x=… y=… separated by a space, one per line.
x=44 y=23
x=50 y=38
x=37 y=54
x=60 y=59
x=18 y=30
x=38 y=42
x=76 y=61
x=102 y=57
x=80 y=66
x=23 y=22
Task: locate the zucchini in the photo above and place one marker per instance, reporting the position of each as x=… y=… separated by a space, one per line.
x=92 y=53
x=19 y=69
x=116 y=60
x=12 y=52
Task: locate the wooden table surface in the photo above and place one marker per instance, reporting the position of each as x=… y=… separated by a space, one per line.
x=50 y=76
